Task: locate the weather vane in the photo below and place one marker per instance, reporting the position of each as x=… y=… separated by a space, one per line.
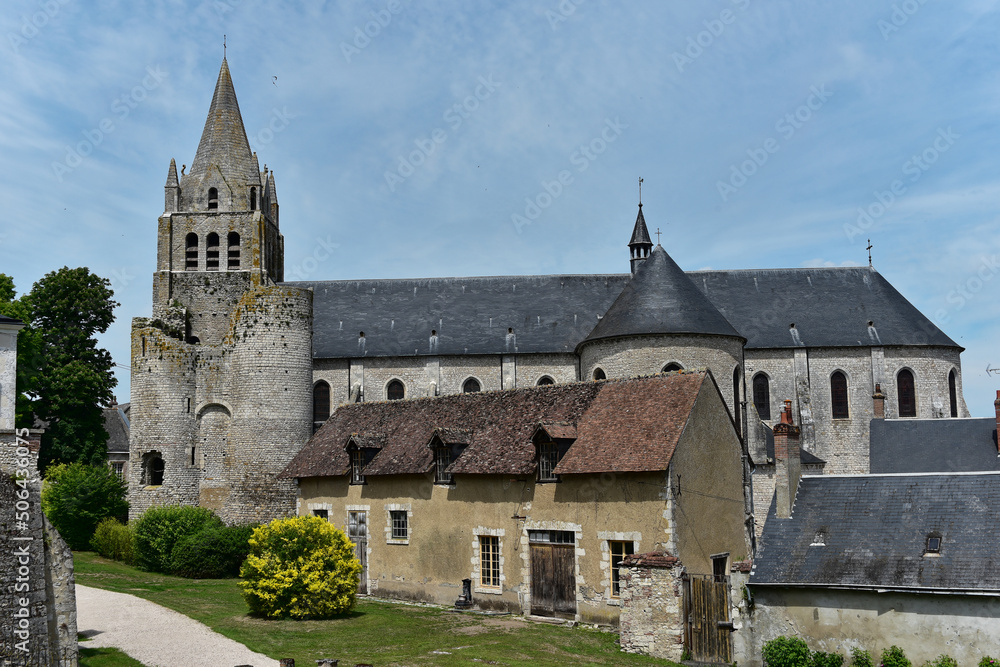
x=640 y=191
x=869 y=252
x=223 y=47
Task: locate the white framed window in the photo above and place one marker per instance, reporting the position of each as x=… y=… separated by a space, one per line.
x=487 y=560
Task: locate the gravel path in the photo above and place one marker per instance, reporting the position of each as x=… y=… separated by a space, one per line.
x=154 y=635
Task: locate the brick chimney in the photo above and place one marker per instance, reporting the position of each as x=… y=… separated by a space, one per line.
x=787 y=464
x=878 y=402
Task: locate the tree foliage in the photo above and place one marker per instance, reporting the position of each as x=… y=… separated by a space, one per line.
x=77 y=497
x=64 y=379
x=160 y=528
x=301 y=568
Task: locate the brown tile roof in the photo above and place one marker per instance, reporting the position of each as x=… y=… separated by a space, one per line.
x=557 y=430
x=625 y=425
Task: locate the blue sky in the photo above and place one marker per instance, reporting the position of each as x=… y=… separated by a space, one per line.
x=431 y=139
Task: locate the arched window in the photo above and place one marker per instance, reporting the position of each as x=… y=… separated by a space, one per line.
x=953 y=394
x=470 y=386
x=212 y=252
x=321 y=404
x=599 y=374
x=213 y=198
x=253 y=199
x=395 y=391
x=762 y=396
x=191 y=252
x=234 y=252
x=838 y=395
x=906 y=393
x=737 y=376
x=672 y=366
x=545 y=380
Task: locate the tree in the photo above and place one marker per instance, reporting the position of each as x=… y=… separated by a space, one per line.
x=77 y=497
x=301 y=568
x=71 y=377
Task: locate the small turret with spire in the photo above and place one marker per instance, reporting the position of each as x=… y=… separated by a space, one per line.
x=172 y=190
x=640 y=245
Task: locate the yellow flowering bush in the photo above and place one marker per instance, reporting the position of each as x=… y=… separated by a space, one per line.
x=301 y=568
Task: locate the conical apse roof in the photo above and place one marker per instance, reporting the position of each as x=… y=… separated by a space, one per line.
x=661 y=299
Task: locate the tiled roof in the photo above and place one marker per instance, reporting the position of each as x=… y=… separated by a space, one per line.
x=552 y=314
x=933 y=445
x=626 y=425
x=874 y=529
x=661 y=299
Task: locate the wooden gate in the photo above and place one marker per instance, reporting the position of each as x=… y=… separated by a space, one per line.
x=357 y=532
x=707 y=622
x=553 y=580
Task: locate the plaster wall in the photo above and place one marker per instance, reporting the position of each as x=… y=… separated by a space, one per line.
x=836 y=621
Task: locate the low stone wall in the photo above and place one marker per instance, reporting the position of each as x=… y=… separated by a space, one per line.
x=652 y=614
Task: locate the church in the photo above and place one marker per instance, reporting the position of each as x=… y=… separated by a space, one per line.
x=236 y=368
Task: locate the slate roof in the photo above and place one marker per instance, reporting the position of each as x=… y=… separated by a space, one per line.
x=640 y=234
x=9 y=320
x=552 y=314
x=622 y=426
x=661 y=299
x=933 y=445
x=117 y=425
x=875 y=530
x=224 y=140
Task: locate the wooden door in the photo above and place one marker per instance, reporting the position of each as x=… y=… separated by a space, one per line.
x=553 y=580
x=357 y=532
x=706 y=607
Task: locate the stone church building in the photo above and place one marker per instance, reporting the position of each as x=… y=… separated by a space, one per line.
x=236 y=368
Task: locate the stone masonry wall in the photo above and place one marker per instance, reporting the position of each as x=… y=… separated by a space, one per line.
x=652 y=614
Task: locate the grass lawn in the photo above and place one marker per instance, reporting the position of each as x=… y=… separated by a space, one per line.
x=105 y=657
x=380 y=633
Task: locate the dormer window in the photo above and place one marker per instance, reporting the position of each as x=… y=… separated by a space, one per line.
x=357 y=464
x=442 y=459
x=548 y=457
x=213 y=198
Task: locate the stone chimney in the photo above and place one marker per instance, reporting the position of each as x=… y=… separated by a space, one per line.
x=878 y=402
x=996 y=405
x=787 y=464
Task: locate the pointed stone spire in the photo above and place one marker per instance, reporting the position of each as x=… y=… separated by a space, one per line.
x=224 y=140
x=641 y=244
x=172 y=190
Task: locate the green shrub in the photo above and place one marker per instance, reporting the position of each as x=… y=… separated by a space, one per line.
x=821 y=659
x=987 y=661
x=894 y=657
x=861 y=658
x=114 y=540
x=944 y=661
x=786 y=652
x=302 y=567
x=76 y=497
x=159 y=529
x=215 y=552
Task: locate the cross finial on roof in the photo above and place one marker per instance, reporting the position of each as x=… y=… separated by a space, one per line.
x=640 y=191
x=657 y=236
x=870 y=252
